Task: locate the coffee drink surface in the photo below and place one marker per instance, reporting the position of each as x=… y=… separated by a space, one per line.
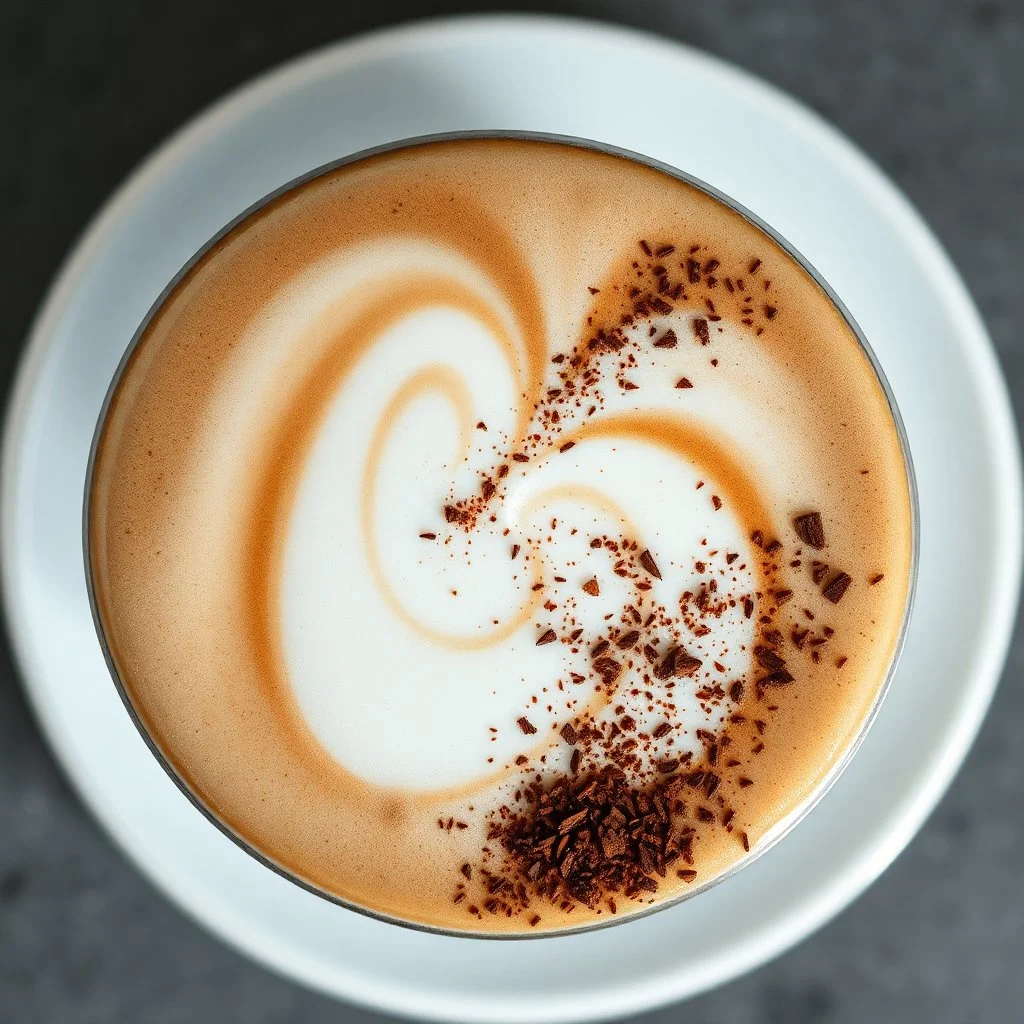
x=500 y=535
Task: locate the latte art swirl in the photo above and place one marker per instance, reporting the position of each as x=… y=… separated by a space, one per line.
x=466 y=473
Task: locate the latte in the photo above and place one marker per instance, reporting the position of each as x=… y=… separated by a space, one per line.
x=500 y=535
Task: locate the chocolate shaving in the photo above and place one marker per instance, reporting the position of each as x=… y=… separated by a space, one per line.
x=619 y=807
x=594 y=838
x=608 y=669
x=677 y=663
x=647 y=561
x=628 y=640
x=833 y=591
x=810 y=530
x=780 y=678
x=768 y=659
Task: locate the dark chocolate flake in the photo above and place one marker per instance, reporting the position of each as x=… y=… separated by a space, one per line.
x=768 y=659
x=573 y=821
x=810 y=530
x=647 y=561
x=836 y=587
x=628 y=640
x=608 y=669
x=780 y=678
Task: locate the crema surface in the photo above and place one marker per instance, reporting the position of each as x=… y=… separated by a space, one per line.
x=412 y=442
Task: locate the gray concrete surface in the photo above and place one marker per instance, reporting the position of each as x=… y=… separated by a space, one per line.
x=933 y=91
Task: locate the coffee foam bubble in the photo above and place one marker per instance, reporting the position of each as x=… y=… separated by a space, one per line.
x=331 y=683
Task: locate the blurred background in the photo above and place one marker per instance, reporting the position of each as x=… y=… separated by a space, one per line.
x=933 y=91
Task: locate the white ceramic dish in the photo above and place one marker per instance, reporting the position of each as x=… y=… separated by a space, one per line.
x=806 y=181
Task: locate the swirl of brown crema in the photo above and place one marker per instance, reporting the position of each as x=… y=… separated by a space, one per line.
x=628 y=802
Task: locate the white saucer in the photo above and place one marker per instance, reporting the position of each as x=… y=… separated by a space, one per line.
x=670 y=103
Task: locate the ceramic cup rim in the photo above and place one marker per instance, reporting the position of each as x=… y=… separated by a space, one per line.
x=578 y=142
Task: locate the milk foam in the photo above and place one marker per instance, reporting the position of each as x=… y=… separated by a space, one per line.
x=331 y=680
x=339 y=632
